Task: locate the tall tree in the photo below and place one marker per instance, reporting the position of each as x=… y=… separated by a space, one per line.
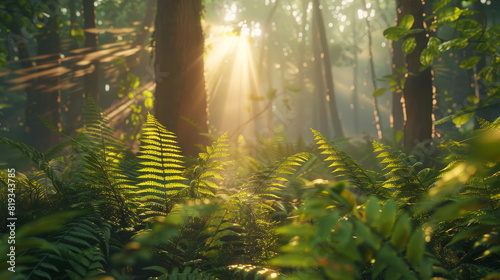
x=330 y=91
x=376 y=113
x=89 y=24
x=320 y=116
x=398 y=60
x=180 y=98
x=355 y=97
x=418 y=90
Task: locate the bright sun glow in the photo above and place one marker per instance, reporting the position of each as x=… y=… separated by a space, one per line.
x=231 y=75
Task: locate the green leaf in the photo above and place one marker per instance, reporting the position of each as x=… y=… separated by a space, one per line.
x=488 y=47
x=448 y=15
x=372 y=210
x=407 y=22
x=472 y=99
x=395 y=33
x=462 y=119
x=427 y=57
x=401 y=232
x=468 y=27
x=457 y=44
x=433 y=44
x=387 y=218
x=409 y=45
x=488 y=74
x=379 y=92
x=416 y=248
x=470 y=62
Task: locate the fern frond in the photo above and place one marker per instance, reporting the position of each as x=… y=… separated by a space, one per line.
x=77 y=251
x=161 y=166
x=346 y=167
x=39 y=159
x=267 y=182
x=207 y=175
x=402 y=175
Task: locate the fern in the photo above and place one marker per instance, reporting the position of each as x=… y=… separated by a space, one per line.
x=207 y=174
x=102 y=154
x=409 y=185
x=62 y=245
x=161 y=168
x=369 y=241
x=43 y=164
x=347 y=168
x=266 y=182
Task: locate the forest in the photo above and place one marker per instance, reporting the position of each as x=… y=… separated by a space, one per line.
x=249 y=139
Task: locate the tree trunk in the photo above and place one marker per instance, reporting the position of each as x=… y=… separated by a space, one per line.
x=44 y=99
x=321 y=113
x=397 y=114
x=418 y=91
x=355 y=97
x=179 y=52
x=330 y=91
x=376 y=113
x=301 y=96
x=91 y=80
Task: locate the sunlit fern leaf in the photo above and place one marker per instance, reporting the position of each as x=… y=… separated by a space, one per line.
x=161 y=167
x=347 y=168
x=208 y=174
x=267 y=182
x=409 y=184
x=102 y=155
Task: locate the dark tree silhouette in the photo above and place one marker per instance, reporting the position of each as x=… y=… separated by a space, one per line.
x=180 y=97
x=418 y=91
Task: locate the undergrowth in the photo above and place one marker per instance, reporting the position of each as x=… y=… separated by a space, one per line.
x=290 y=211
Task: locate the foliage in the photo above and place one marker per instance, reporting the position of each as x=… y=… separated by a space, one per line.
x=468 y=33
x=148 y=216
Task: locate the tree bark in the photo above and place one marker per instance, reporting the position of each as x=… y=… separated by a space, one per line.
x=398 y=60
x=330 y=91
x=92 y=79
x=376 y=113
x=355 y=97
x=418 y=91
x=321 y=114
x=179 y=52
